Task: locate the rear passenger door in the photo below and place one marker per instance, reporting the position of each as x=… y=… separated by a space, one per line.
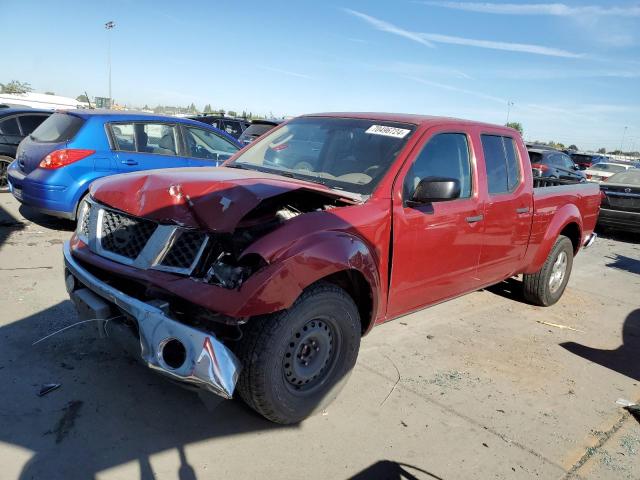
x=507 y=211
x=146 y=146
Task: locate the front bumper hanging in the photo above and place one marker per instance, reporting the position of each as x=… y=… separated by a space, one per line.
x=166 y=345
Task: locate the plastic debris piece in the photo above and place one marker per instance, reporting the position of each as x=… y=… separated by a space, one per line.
x=48 y=387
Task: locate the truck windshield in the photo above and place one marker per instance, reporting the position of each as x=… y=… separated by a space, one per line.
x=342 y=153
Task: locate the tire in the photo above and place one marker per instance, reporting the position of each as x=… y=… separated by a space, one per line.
x=546 y=286
x=322 y=328
x=4 y=165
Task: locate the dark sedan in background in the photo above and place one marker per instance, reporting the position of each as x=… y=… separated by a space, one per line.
x=620 y=204
x=15 y=124
x=230 y=125
x=554 y=164
x=257 y=129
x=586 y=160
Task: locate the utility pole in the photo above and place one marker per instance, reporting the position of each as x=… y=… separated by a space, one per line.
x=110 y=25
x=509 y=105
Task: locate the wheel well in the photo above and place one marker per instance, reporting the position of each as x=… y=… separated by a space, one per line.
x=354 y=283
x=572 y=232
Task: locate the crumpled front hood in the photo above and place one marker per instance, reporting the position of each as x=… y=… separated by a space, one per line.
x=219 y=197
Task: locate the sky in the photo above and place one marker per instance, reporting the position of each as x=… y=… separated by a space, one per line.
x=568 y=72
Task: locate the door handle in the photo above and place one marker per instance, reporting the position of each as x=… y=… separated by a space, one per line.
x=522 y=210
x=474 y=219
x=129 y=162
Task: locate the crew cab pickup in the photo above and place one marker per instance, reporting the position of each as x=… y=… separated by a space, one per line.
x=260 y=277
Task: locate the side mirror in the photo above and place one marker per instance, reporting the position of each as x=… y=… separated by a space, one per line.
x=435 y=189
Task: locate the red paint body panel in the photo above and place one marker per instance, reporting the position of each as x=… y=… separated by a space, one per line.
x=410 y=257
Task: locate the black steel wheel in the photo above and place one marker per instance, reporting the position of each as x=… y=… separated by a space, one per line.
x=295 y=362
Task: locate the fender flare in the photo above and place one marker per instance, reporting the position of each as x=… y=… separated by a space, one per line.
x=564 y=216
x=311 y=258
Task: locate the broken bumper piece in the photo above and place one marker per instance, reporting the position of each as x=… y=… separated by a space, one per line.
x=170 y=347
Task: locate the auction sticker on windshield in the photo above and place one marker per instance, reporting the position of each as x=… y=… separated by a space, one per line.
x=387 y=131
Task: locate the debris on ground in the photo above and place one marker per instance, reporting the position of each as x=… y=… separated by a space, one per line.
x=47 y=388
x=562 y=327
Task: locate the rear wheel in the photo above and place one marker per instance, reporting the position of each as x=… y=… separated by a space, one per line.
x=4 y=177
x=295 y=362
x=546 y=286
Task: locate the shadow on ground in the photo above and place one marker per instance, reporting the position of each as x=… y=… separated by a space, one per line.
x=510 y=288
x=622 y=262
x=46 y=221
x=388 y=470
x=108 y=411
x=617 y=235
x=625 y=359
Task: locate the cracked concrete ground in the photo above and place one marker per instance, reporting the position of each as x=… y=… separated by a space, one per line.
x=485 y=390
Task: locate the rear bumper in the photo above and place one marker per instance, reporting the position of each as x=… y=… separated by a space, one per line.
x=619 y=219
x=49 y=198
x=207 y=363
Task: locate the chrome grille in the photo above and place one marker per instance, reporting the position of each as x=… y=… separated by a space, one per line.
x=184 y=250
x=124 y=235
x=139 y=242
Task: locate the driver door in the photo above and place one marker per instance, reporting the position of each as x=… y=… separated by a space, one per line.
x=436 y=246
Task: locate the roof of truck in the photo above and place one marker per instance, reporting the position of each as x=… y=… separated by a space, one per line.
x=405 y=118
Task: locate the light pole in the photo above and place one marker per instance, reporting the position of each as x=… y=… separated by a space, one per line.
x=624 y=132
x=110 y=25
x=509 y=105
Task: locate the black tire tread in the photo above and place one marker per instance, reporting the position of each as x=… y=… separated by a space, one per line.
x=257 y=334
x=535 y=284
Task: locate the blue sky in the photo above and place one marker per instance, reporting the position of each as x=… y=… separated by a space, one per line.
x=572 y=70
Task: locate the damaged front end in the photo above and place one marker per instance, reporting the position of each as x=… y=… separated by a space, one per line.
x=158 y=272
x=166 y=345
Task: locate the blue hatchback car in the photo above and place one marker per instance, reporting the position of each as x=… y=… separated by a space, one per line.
x=55 y=165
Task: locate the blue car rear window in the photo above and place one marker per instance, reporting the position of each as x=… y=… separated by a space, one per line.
x=59 y=127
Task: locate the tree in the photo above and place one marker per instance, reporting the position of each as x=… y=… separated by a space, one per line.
x=207 y=108
x=146 y=107
x=232 y=113
x=15 y=86
x=221 y=111
x=515 y=125
x=573 y=147
x=602 y=150
x=82 y=98
x=192 y=108
x=49 y=93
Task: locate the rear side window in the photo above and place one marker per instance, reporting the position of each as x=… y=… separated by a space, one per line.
x=30 y=122
x=501 y=163
x=59 y=127
x=445 y=155
x=9 y=127
x=157 y=138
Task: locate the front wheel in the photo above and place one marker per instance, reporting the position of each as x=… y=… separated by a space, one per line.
x=546 y=286
x=295 y=362
x=4 y=172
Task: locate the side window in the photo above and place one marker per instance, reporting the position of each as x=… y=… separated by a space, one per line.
x=207 y=145
x=157 y=138
x=124 y=137
x=501 y=162
x=513 y=164
x=445 y=155
x=9 y=127
x=30 y=122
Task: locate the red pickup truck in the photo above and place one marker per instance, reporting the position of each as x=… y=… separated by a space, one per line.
x=261 y=276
